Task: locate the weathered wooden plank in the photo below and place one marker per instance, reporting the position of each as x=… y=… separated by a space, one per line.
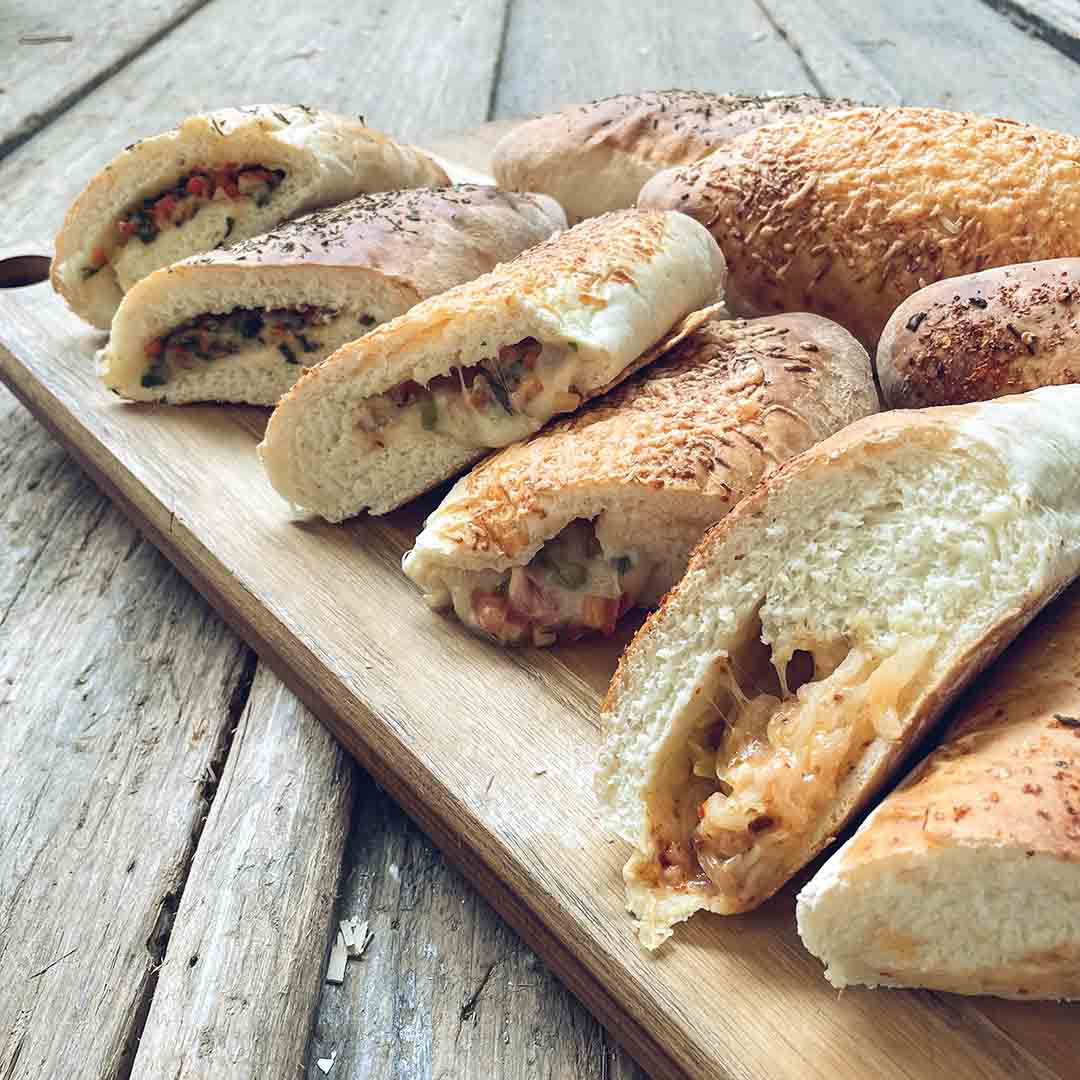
x=205 y=1017
x=52 y=52
x=561 y=51
x=375 y=60
x=958 y=54
x=237 y=991
x=115 y=683
x=1055 y=21
x=445 y=988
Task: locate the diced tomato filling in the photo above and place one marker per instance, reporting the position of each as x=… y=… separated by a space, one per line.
x=190 y=193
x=568 y=590
x=292 y=331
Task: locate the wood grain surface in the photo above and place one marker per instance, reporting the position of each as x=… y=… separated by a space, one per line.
x=431 y=1003
x=237 y=991
x=1056 y=21
x=55 y=54
x=490 y=751
x=115 y=683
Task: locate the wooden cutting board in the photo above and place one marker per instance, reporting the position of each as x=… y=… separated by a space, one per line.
x=489 y=750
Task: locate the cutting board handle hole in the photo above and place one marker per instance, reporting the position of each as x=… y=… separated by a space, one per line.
x=23 y=270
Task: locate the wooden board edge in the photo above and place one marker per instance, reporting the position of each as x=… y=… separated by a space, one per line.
x=571 y=969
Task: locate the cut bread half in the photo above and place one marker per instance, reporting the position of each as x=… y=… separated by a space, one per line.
x=487 y=363
x=967 y=877
x=819 y=631
x=243 y=323
x=559 y=536
x=219 y=177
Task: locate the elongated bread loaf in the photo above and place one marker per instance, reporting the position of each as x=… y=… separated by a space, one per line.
x=487 y=363
x=967 y=878
x=1001 y=331
x=560 y=535
x=217 y=178
x=241 y=324
x=820 y=629
x=848 y=213
x=596 y=157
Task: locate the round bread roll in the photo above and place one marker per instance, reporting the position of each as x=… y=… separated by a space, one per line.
x=219 y=177
x=849 y=213
x=1001 y=331
x=596 y=157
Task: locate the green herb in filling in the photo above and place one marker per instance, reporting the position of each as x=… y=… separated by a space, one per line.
x=152 y=378
x=500 y=394
x=289 y=355
x=429 y=413
x=572 y=575
x=622 y=564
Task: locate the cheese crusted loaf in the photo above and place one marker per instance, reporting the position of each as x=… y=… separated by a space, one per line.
x=1001 y=331
x=487 y=363
x=848 y=213
x=560 y=535
x=967 y=878
x=819 y=631
x=219 y=177
x=241 y=324
x=596 y=157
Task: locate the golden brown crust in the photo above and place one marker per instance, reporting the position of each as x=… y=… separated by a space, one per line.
x=1002 y=331
x=719 y=404
x=848 y=213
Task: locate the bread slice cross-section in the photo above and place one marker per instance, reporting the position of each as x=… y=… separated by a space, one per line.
x=487 y=363
x=819 y=631
x=967 y=877
x=243 y=323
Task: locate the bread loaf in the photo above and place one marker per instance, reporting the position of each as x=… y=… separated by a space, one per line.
x=967 y=877
x=487 y=363
x=1001 y=331
x=560 y=535
x=596 y=157
x=217 y=178
x=848 y=213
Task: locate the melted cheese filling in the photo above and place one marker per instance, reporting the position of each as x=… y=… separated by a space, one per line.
x=764 y=767
x=490 y=404
x=569 y=588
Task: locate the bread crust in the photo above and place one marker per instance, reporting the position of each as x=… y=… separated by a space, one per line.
x=397 y=248
x=719 y=404
x=610 y=288
x=596 y=157
x=1004 y=781
x=848 y=213
x=343 y=156
x=941 y=431
x=1001 y=331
